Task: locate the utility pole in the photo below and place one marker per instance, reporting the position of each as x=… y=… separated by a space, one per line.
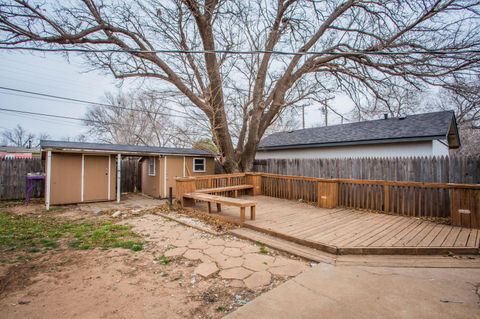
x=303 y=116
x=326 y=111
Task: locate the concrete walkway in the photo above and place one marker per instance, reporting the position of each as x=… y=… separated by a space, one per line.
x=328 y=291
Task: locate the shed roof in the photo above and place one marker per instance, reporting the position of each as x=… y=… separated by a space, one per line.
x=119 y=148
x=426 y=126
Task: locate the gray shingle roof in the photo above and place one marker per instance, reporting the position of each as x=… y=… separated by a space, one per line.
x=425 y=126
x=48 y=144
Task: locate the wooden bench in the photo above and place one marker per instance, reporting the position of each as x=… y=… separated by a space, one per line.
x=219 y=200
x=230 y=189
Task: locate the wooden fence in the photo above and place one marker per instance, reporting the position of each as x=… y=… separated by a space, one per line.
x=131 y=175
x=454 y=169
x=458 y=202
x=13 y=174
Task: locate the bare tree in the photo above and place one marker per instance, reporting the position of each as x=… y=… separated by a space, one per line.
x=395 y=99
x=20 y=137
x=133 y=118
x=463 y=97
x=78 y=138
x=352 y=46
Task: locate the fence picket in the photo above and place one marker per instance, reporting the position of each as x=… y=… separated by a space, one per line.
x=441 y=169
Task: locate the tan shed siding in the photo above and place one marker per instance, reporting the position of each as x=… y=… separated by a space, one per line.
x=174 y=170
x=95 y=178
x=150 y=184
x=209 y=170
x=113 y=177
x=155 y=186
x=160 y=175
x=66 y=178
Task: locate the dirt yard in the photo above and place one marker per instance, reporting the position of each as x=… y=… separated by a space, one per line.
x=163 y=268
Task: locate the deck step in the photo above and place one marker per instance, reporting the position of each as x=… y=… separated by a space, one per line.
x=284 y=245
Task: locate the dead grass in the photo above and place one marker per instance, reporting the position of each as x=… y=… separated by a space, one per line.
x=36 y=234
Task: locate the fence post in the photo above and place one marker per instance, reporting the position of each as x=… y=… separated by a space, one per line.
x=465 y=205
x=255 y=180
x=290 y=191
x=184 y=185
x=327 y=193
x=386 y=198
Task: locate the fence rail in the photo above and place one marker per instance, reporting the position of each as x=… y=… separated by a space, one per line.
x=458 y=202
x=442 y=169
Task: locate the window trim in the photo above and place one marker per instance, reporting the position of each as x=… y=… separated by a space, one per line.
x=154 y=166
x=204 y=164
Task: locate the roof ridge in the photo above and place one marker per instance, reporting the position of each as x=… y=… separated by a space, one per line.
x=432 y=125
x=365 y=121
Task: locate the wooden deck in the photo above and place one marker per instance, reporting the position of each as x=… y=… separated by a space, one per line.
x=347 y=231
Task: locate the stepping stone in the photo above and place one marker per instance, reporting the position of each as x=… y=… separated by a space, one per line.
x=175 y=252
x=186 y=234
x=180 y=243
x=215 y=253
x=257 y=262
x=231 y=262
x=171 y=235
x=232 y=252
x=216 y=242
x=236 y=284
x=214 y=250
x=282 y=261
x=194 y=254
x=258 y=280
x=287 y=270
x=206 y=269
x=235 y=244
x=198 y=245
x=235 y=273
x=250 y=249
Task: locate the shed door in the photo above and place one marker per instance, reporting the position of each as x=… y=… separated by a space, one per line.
x=95 y=186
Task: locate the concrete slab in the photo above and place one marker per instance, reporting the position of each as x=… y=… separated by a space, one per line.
x=328 y=291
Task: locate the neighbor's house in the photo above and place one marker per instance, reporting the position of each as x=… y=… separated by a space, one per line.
x=88 y=172
x=12 y=152
x=428 y=134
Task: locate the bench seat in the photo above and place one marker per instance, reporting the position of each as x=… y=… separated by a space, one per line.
x=219 y=200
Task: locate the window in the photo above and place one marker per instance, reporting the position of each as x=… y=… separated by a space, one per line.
x=151 y=166
x=199 y=165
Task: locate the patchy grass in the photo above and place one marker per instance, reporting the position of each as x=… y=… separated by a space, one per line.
x=163 y=260
x=263 y=250
x=221 y=309
x=36 y=234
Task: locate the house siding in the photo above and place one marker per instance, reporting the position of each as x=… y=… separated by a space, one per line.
x=356 y=151
x=440 y=148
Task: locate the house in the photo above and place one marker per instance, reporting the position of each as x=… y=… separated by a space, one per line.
x=428 y=134
x=12 y=152
x=89 y=172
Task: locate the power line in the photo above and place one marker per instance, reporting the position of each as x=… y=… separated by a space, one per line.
x=43 y=120
x=89 y=102
x=240 y=52
x=58 y=116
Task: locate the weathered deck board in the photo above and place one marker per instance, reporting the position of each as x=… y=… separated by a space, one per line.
x=354 y=231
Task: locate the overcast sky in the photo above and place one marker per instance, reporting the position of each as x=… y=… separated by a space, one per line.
x=51 y=73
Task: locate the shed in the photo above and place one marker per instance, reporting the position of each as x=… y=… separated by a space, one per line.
x=79 y=172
